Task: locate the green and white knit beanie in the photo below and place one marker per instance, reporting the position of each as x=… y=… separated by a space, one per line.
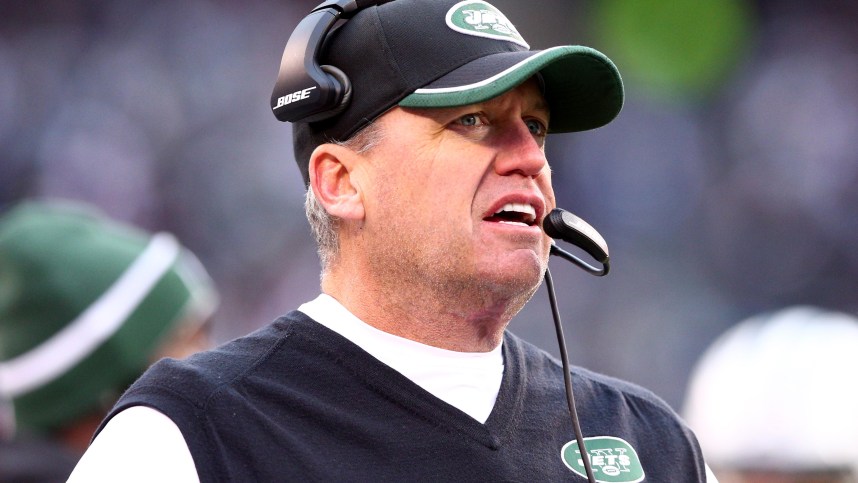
x=84 y=302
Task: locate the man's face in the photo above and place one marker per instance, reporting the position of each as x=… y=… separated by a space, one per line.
x=455 y=197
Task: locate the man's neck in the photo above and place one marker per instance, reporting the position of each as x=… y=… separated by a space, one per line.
x=455 y=321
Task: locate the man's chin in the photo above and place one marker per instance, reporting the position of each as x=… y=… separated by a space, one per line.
x=514 y=275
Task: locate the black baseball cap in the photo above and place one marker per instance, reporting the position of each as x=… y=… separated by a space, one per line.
x=447 y=53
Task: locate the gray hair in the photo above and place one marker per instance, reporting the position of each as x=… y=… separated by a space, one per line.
x=324 y=226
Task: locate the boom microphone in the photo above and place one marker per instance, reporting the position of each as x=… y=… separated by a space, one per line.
x=562 y=225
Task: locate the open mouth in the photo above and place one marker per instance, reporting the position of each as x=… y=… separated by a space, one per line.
x=514 y=214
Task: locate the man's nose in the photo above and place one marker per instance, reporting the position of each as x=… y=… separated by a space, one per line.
x=520 y=153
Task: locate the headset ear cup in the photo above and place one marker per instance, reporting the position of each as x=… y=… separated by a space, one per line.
x=345 y=85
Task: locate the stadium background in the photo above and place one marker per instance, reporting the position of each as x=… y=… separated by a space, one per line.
x=727 y=186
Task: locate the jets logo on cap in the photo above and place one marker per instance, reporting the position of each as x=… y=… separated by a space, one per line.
x=481 y=19
x=613 y=460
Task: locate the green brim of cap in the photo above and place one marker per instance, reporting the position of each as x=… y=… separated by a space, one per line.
x=583 y=87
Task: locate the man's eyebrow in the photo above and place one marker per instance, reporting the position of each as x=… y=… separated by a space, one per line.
x=542 y=105
x=539 y=104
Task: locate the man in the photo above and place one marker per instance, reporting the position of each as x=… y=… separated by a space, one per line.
x=426 y=193
x=86 y=305
x=773 y=399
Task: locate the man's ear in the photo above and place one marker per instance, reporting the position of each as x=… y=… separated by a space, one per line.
x=331 y=176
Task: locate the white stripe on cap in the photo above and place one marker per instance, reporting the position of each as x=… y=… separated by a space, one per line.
x=103 y=318
x=444 y=90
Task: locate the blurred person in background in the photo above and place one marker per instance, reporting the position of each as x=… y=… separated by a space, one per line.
x=775 y=399
x=86 y=305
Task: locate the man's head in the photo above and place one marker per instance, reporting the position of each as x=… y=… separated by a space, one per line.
x=434 y=174
x=86 y=304
x=439 y=54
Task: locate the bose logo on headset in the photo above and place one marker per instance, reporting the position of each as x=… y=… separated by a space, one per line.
x=330 y=90
x=294 y=97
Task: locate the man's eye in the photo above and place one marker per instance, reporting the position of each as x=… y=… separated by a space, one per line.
x=470 y=120
x=536 y=127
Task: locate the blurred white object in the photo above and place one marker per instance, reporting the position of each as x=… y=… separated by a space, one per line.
x=779 y=391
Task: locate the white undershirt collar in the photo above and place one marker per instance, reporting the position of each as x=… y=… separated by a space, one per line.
x=469 y=381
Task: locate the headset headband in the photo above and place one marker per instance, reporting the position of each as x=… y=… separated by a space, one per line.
x=306 y=91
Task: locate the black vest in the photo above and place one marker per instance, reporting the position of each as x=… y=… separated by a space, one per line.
x=295 y=401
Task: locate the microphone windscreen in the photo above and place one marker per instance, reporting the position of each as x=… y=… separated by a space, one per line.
x=563 y=225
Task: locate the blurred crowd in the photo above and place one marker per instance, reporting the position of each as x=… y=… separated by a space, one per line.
x=726 y=187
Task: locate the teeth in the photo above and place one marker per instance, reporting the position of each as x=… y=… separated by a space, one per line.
x=519 y=208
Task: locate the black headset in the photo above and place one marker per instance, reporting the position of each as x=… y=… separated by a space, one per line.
x=306 y=91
